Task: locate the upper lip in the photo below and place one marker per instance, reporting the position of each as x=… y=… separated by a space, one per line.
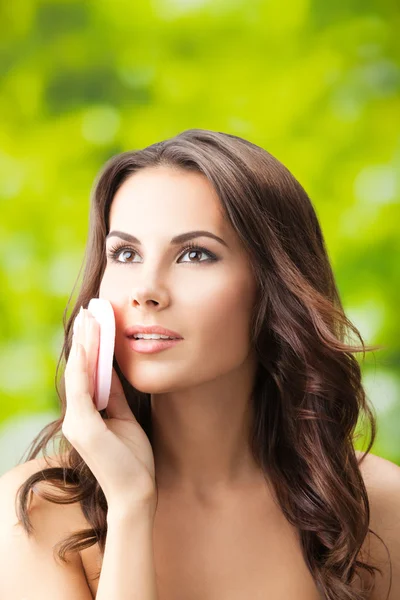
x=130 y=331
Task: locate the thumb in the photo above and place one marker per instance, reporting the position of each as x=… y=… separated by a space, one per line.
x=117 y=406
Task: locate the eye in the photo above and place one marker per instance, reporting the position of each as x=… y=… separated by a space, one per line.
x=115 y=251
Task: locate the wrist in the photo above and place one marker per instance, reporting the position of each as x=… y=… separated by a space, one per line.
x=132 y=512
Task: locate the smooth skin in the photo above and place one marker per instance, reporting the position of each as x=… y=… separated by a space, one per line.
x=200 y=392
x=200 y=389
x=43 y=577
x=104 y=444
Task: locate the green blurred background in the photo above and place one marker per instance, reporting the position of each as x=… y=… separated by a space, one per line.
x=316 y=83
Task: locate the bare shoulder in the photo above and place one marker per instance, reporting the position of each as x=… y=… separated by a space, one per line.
x=34 y=556
x=15 y=477
x=43 y=513
x=377 y=470
x=382 y=481
x=22 y=471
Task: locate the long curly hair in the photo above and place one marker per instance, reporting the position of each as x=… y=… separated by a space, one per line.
x=307 y=396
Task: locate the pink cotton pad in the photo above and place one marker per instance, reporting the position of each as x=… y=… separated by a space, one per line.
x=103 y=312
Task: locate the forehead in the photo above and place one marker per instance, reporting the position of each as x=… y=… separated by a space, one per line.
x=165 y=197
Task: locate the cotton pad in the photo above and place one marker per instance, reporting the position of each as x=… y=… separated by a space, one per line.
x=103 y=312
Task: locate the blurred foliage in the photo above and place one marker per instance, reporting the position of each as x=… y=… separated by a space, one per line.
x=316 y=83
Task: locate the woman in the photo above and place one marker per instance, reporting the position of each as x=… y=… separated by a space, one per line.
x=223 y=466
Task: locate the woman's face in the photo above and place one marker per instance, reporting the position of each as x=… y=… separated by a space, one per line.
x=208 y=302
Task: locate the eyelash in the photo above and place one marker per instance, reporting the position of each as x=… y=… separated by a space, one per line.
x=114 y=252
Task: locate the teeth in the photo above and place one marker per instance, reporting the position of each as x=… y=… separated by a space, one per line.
x=151 y=336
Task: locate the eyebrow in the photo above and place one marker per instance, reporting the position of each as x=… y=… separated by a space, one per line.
x=178 y=239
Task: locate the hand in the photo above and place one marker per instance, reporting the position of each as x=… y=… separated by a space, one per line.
x=116 y=450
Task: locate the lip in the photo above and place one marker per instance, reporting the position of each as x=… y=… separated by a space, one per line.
x=130 y=331
x=151 y=346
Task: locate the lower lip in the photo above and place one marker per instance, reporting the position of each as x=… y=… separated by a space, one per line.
x=150 y=346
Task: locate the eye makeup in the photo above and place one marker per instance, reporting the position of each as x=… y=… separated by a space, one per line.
x=115 y=251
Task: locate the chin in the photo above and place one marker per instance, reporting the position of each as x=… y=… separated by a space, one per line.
x=150 y=383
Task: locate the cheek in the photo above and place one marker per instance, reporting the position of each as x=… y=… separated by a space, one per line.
x=104 y=285
x=226 y=327
x=111 y=287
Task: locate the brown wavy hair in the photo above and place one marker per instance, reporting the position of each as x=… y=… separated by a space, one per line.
x=308 y=395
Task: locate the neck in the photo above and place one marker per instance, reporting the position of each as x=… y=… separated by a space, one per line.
x=201 y=435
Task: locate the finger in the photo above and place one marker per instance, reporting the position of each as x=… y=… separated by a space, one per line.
x=77 y=390
x=92 y=350
x=118 y=406
x=77 y=381
x=83 y=425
